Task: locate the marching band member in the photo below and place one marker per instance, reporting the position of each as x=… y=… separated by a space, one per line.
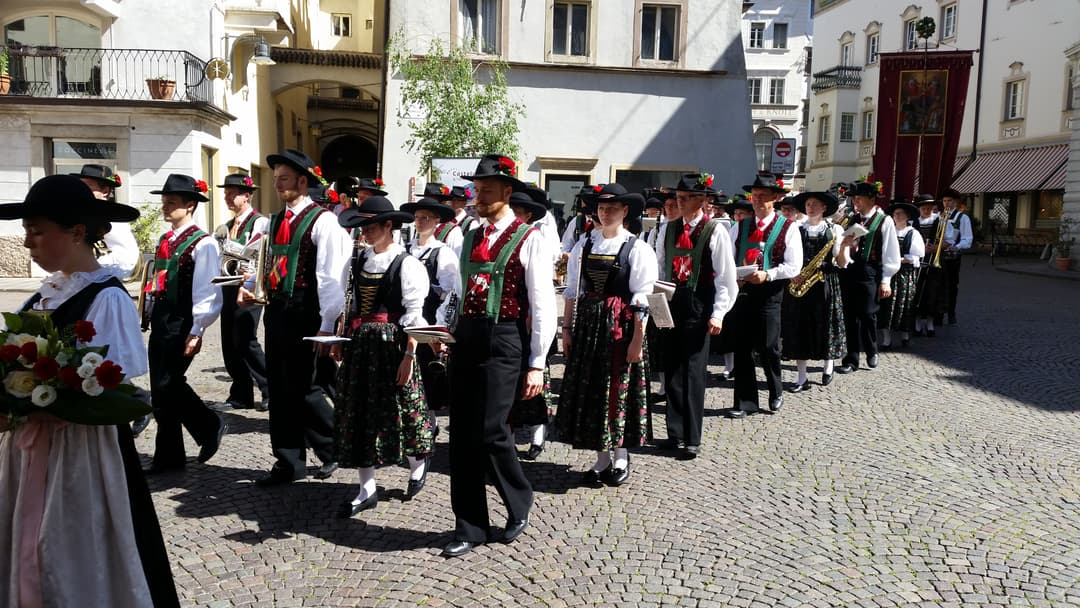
x=308 y=257
x=583 y=221
x=120 y=251
x=738 y=209
x=771 y=243
x=381 y=415
x=604 y=401
x=899 y=308
x=696 y=254
x=448 y=231
x=931 y=300
x=507 y=321
x=459 y=201
x=813 y=323
x=240 y=349
x=669 y=210
x=875 y=258
x=958 y=239
x=654 y=208
x=186 y=303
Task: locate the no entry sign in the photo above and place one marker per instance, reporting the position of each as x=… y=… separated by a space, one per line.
x=783 y=156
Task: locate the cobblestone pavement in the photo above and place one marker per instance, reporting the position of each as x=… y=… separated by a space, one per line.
x=946 y=477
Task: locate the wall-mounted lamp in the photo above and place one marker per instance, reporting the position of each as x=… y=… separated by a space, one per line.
x=262 y=54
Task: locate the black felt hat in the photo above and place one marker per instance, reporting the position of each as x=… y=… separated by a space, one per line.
x=239 y=180
x=831 y=202
x=299 y=161
x=539 y=195
x=374 y=210
x=102 y=173
x=911 y=210
x=925 y=199
x=66 y=198
x=184 y=185
x=437 y=191
x=864 y=189
x=373 y=185
x=696 y=182
x=654 y=203
x=445 y=212
x=497 y=166
x=764 y=179
x=464 y=192
x=522 y=199
x=951 y=193
x=739 y=201
x=323 y=195
x=347 y=185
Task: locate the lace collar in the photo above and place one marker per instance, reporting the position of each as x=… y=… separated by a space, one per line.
x=57 y=288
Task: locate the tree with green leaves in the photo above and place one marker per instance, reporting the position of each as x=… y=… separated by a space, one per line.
x=462 y=116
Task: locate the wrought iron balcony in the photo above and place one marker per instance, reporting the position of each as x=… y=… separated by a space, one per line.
x=121 y=74
x=838 y=77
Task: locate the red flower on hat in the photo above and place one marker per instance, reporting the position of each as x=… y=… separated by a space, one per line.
x=116 y=179
x=201 y=186
x=705 y=179
x=597 y=188
x=507 y=166
x=317 y=170
x=468 y=192
x=248 y=181
x=333 y=196
x=780 y=183
x=444 y=189
x=379 y=182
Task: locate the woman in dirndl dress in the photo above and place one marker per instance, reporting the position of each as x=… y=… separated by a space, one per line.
x=604 y=405
x=898 y=311
x=812 y=326
x=931 y=299
x=380 y=415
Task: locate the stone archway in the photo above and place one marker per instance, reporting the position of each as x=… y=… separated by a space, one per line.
x=349 y=155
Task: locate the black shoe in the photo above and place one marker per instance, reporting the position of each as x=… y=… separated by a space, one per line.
x=596 y=478
x=847 y=368
x=534 y=451
x=776 y=404
x=415 y=485
x=657 y=398
x=155 y=468
x=207 y=451
x=905 y=343
x=690 y=452
x=826 y=379
x=799 y=388
x=619 y=476
x=350 y=508
x=952 y=319
x=263 y=405
x=239 y=405
x=458 y=548
x=737 y=413
x=514 y=529
x=871 y=361
x=326 y=470
x=138 y=426
x=918 y=333
x=667 y=444
x=885 y=347
x=931 y=333
x=276 y=477
x=722 y=376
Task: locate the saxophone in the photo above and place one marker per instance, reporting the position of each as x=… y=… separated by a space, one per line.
x=811 y=273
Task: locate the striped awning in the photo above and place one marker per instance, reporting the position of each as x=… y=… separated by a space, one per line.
x=1056 y=181
x=1013 y=170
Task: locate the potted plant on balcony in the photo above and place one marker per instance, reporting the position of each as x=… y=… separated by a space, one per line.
x=5 y=79
x=161 y=87
x=1064 y=243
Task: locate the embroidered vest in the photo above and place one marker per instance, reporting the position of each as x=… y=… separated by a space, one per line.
x=505 y=276
x=699 y=257
x=905 y=243
x=178 y=269
x=607 y=275
x=377 y=292
x=443 y=230
x=773 y=247
x=466 y=224
x=243 y=233
x=298 y=257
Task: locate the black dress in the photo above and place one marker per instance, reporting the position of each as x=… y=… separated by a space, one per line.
x=813 y=325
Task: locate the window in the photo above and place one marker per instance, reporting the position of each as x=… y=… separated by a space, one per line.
x=776 y=91
x=1014 y=100
x=342 y=25
x=779 y=36
x=763 y=148
x=570 y=29
x=478 y=25
x=69 y=156
x=757 y=35
x=753 y=86
x=659 y=32
x=911 y=37
x=209 y=161
x=948 y=21
x=823 y=130
x=846 y=51
x=637 y=180
x=49 y=74
x=847 y=127
x=872 y=42
x=1070 y=90
x=868 y=125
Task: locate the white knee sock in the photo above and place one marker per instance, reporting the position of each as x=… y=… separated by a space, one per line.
x=929 y=325
x=920 y=323
x=603 y=459
x=729 y=362
x=416 y=467
x=538 y=434
x=801 y=365
x=367 y=485
x=886 y=337
x=622 y=458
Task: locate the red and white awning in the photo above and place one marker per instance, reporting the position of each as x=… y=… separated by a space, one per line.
x=1013 y=170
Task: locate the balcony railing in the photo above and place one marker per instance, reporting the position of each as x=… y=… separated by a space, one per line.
x=838 y=77
x=49 y=71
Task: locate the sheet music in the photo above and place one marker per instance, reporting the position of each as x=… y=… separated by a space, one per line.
x=659 y=311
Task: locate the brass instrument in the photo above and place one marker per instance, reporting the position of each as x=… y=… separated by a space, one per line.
x=146 y=300
x=239 y=262
x=811 y=273
x=343 y=320
x=935 y=262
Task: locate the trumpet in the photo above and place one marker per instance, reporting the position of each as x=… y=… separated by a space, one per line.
x=146 y=299
x=935 y=262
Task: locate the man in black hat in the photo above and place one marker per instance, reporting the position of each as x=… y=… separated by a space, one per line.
x=240 y=349
x=460 y=196
x=446 y=232
x=309 y=253
x=695 y=254
x=931 y=300
x=874 y=259
x=121 y=249
x=771 y=244
x=583 y=222
x=185 y=303
x=958 y=239
x=506 y=324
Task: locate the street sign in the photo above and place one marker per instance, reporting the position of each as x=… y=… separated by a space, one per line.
x=783 y=156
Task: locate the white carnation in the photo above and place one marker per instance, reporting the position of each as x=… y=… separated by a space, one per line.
x=92 y=359
x=91 y=387
x=43 y=395
x=63 y=358
x=86 y=370
x=20 y=339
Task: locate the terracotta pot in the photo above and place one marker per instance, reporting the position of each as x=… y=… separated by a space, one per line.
x=1064 y=263
x=5 y=84
x=161 y=89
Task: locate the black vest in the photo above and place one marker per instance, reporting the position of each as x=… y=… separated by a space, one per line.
x=74 y=308
x=377 y=293
x=604 y=274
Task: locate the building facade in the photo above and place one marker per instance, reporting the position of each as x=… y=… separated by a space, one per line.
x=633 y=91
x=1018 y=115
x=777 y=38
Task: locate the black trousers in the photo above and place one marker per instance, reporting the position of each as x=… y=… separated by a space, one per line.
x=757 y=319
x=301 y=410
x=240 y=348
x=485 y=376
x=176 y=405
x=859 y=288
x=951 y=266
x=686 y=360
x=436 y=385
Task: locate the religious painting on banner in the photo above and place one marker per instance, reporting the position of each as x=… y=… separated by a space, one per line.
x=922 y=95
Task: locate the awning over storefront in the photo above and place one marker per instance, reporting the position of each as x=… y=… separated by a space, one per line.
x=1013 y=170
x=1056 y=181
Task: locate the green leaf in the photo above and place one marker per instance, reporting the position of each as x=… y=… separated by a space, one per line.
x=111 y=407
x=13 y=322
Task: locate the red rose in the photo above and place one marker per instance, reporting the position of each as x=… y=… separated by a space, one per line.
x=379 y=182
x=84 y=331
x=109 y=374
x=201 y=186
x=507 y=166
x=116 y=179
x=780 y=183
x=70 y=377
x=445 y=190
x=333 y=196
x=29 y=351
x=597 y=188
x=317 y=170
x=46 y=368
x=9 y=353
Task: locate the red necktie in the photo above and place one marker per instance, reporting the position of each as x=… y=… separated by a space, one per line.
x=482 y=253
x=684 y=241
x=284 y=231
x=163 y=250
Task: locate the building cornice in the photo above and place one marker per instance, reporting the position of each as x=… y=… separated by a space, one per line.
x=579 y=67
x=200 y=108
x=339 y=59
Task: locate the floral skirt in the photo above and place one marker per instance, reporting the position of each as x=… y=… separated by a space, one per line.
x=531 y=412
x=898 y=311
x=604 y=400
x=377 y=422
x=813 y=326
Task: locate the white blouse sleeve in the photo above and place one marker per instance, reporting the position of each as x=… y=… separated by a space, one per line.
x=414 y=288
x=454 y=240
x=446 y=272
x=838 y=237
x=117 y=324
x=643 y=273
x=918 y=248
x=205 y=296
x=573 y=271
x=332 y=255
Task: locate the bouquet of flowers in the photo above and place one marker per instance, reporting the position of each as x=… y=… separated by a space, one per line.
x=46 y=370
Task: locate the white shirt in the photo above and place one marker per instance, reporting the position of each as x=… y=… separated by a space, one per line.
x=124 y=252
x=791 y=265
x=918 y=246
x=260 y=226
x=962 y=238
x=206 y=297
x=890 y=246
x=723 y=262
x=838 y=236
x=550 y=231
x=454 y=239
x=447 y=268
x=568 y=241
x=539 y=269
x=112 y=312
x=413 y=277
x=643 y=266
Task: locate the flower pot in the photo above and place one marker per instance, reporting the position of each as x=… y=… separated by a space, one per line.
x=5 y=84
x=1064 y=263
x=161 y=88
